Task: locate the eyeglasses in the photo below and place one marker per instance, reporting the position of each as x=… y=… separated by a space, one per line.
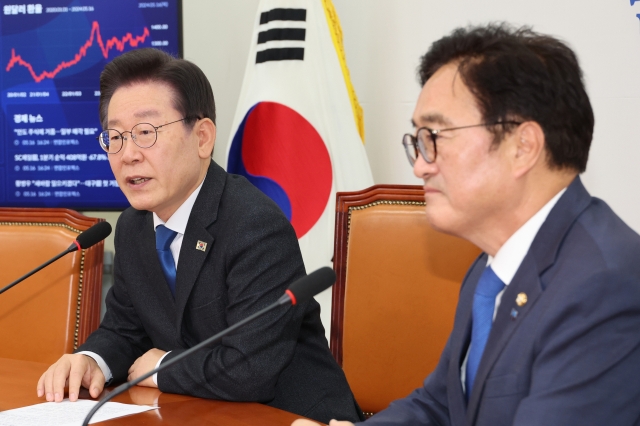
x=143 y=135
x=424 y=142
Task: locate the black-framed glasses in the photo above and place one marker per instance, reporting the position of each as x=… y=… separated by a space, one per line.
x=424 y=142
x=143 y=135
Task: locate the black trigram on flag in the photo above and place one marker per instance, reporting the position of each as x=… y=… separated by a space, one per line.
x=281 y=34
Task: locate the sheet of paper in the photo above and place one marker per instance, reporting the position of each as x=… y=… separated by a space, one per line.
x=67 y=413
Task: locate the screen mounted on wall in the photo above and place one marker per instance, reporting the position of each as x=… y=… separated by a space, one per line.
x=52 y=53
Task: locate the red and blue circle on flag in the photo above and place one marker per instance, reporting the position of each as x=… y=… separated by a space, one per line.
x=283 y=155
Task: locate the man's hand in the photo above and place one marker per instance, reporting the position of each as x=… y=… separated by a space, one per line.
x=144 y=364
x=301 y=422
x=74 y=369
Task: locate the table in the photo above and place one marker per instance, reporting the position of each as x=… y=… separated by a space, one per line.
x=18 y=381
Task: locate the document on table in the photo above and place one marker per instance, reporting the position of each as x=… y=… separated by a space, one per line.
x=67 y=413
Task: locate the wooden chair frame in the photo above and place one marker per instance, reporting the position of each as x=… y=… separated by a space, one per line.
x=389 y=327
x=346 y=202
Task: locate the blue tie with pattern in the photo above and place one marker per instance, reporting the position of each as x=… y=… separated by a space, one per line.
x=484 y=302
x=164 y=237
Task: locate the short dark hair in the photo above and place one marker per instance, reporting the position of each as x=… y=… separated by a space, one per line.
x=193 y=94
x=518 y=74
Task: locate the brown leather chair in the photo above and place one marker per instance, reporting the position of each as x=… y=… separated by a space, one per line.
x=396 y=292
x=54 y=310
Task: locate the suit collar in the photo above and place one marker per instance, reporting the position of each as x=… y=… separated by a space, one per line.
x=198 y=242
x=205 y=209
x=541 y=256
x=546 y=245
x=178 y=220
x=509 y=257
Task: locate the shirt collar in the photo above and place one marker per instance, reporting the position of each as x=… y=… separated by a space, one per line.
x=509 y=257
x=178 y=220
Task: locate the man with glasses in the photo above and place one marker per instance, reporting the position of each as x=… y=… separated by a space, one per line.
x=198 y=251
x=546 y=329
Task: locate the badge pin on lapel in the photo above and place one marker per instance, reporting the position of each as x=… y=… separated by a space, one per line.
x=201 y=245
x=521 y=299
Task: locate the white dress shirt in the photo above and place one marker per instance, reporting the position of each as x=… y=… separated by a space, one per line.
x=509 y=257
x=178 y=223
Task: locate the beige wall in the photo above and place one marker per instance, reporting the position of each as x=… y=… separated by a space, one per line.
x=383 y=41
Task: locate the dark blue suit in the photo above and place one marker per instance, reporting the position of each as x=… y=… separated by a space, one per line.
x=570 y=355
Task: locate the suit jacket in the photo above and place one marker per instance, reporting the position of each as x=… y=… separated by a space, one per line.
x=570 y=355
x=251 y=257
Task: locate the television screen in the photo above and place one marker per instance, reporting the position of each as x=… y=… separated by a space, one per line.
x=52 y=53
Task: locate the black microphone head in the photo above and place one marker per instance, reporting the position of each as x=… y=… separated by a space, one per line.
x=93 y=235
x=307 y=287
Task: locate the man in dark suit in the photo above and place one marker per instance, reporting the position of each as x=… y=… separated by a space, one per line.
x=546 y=329
x=198 y=251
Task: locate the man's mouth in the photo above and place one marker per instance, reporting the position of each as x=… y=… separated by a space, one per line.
x=138 y=181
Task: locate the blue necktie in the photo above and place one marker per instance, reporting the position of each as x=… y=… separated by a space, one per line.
x=164 y=237
x=484 y=302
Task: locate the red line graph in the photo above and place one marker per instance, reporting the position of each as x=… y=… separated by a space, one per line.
x=95 y=34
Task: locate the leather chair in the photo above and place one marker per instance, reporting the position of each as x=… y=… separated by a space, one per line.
x=396 y=292
x=53 y=311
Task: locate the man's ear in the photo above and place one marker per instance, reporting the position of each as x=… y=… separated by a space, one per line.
x=530 y=147
x=206 y=132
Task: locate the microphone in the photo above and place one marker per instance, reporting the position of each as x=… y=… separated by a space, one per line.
x=305 y=288
x=91 y=236
x=86 y=239
x=300 y=291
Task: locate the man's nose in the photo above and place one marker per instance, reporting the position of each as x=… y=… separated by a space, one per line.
x=130 y=150
x=423 y=169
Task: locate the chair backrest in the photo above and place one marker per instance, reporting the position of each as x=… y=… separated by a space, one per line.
x=396 y=291
x=53 y=311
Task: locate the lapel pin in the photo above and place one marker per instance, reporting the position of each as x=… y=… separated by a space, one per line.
x=514 y=314
x=521 y=299
x=201 y=245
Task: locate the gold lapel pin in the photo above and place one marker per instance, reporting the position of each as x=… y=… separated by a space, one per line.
x=201 y=245
x=521 y=299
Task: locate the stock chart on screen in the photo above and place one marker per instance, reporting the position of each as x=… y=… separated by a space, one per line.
x=52 y=53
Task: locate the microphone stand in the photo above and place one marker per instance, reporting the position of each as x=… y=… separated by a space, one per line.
x=213 y=339
x=85 y=240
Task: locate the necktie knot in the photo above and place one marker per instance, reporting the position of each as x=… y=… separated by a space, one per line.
x=164 y=237
x=490 y=284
